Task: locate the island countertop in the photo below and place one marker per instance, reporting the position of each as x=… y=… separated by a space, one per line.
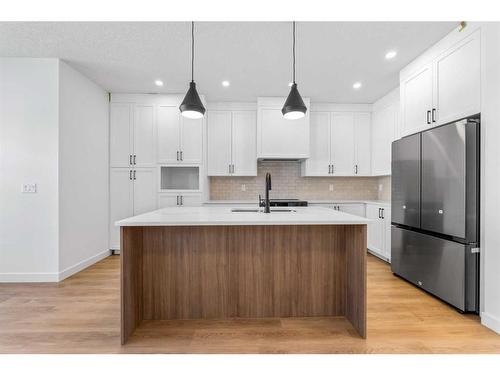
x=205 y=216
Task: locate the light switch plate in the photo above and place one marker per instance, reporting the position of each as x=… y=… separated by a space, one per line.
x=330 y=187
x=380 y=187
x=243 y=187
x=28 y=188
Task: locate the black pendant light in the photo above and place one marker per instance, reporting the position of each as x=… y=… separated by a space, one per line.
x=294 y=107
x=191 y=106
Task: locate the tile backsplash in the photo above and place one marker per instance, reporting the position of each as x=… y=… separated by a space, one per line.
x=287 y=183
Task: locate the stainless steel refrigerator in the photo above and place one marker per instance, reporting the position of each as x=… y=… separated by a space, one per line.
x=435 y=212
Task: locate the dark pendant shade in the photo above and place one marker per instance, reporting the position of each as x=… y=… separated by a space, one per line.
x=191 y=106
x=294 y=107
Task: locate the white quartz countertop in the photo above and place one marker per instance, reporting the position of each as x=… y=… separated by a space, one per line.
x=313 y=202
x=217 y=215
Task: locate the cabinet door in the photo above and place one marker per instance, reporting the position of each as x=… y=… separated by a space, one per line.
x=375 y=229
x=282 y=138
x=362 y=144
x=342 y=143
x=121 y=203
x=121 y=135
x=244 y=143
x=417 y=101
x=383 y=133
x=168 y=200
x=318 y=164
x=144 y=136
x=219 y=143
x=191 y=140
x=458 y=77
x=168 y=120
x=145 y=190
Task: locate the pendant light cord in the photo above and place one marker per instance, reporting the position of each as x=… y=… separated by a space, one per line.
x=293 y=51
x=192 y=51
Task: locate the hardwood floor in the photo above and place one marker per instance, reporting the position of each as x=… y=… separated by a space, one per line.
x=82 y=315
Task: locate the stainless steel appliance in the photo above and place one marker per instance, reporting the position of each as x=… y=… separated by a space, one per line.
x=435 y=212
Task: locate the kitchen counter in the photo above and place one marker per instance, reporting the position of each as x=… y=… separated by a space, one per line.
x=313 y=202
x=210 y=263
x=185 y=216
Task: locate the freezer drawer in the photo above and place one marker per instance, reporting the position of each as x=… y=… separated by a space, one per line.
x=406 y=181
x=444 y=268
x=449 y=180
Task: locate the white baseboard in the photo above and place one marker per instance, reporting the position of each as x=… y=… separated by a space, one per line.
x=82 y=265
x=52 y=277
x=490 y=321
x=45 y=277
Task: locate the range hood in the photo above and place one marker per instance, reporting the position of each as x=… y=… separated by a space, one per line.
x=278 y=138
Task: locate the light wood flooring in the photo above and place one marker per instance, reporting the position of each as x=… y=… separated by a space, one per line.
x=81 y=315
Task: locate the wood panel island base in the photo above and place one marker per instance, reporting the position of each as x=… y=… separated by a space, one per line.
x=308 y=263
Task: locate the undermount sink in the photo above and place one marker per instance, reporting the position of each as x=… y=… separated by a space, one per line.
x=254 y=210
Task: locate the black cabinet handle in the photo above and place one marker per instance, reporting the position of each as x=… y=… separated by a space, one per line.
x=134 y=159
x=382 y=214
x=130 y=175
x=428 y=117
x=177 y=155
x=130 y=160
x=379 y=213
x=134 y=175
x=356 y=169
x=181 y=156
x=433 y=114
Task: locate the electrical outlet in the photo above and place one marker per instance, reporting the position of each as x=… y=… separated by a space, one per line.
x=243 y=187
x=28 y=188
x=380 y=187
x=330 y=187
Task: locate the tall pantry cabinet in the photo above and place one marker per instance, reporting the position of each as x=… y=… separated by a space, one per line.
x=132 y=177
x=156 y=157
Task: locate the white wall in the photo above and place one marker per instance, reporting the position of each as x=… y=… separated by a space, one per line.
x=53 y=132
x=490 y=159
x=28 y=154
x=83 y=171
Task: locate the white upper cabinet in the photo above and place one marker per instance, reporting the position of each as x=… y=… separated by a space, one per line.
x=219 y=143
x=132 y=135
x=416 y=96
x=277 y=137
x=342 y=144
x=458 y=77
x=232 y=143
x=319 y=163
x=362 y=144
x=244 y=143
x=385 y=124
x=168 y=118
x=180 y=140
x=446 y=87
x=191 y=140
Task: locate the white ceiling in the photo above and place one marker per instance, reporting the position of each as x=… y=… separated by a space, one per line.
x=254 y=56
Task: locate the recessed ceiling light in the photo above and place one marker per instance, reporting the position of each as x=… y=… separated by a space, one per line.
x=390 y=55
x=225 y=83
x=356 y=85
x=158 y=83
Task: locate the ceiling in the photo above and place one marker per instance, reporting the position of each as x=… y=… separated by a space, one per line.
x=254 y=56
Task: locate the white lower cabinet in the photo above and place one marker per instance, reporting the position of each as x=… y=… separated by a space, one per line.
x=379 y=230
x=132 y=192
x=179 y=199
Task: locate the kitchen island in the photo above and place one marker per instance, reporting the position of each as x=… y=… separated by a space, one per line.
x=224 y=263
